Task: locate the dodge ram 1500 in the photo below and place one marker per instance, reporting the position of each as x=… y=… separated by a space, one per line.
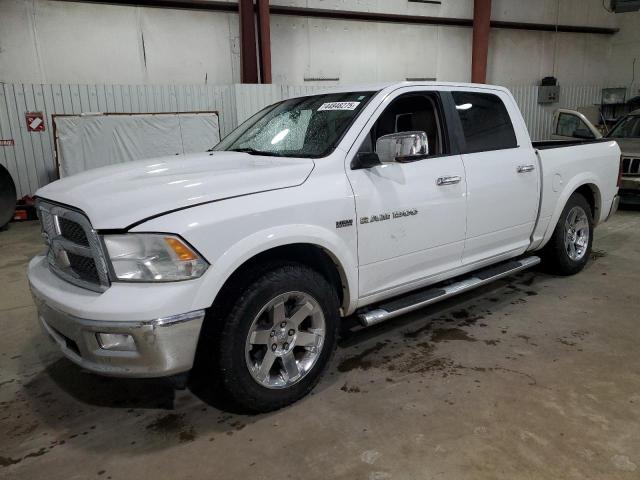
x=358 y=202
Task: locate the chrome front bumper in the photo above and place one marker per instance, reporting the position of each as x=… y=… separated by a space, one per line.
x=163 y=347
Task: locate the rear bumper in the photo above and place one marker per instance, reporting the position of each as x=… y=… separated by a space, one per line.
x=630 y=197
x=630 y=191
x=158 y=347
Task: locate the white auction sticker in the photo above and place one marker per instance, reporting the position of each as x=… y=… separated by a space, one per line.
x=339 y=106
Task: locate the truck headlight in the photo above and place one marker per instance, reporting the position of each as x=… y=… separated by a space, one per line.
x=150 y=257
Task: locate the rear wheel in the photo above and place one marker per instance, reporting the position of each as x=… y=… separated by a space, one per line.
x=278 y=338
x=569 y=248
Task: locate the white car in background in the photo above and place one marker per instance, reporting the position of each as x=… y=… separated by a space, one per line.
x=571 y=125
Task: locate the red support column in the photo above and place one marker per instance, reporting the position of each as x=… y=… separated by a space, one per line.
x=481 y=30
x=248 y=51
x=264 y=41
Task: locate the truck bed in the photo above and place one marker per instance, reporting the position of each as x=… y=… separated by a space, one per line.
x=565 y=169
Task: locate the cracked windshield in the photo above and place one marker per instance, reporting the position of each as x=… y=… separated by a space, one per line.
x=299 y=127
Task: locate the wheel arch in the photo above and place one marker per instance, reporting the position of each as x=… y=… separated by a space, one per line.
x=591 y=193
x=589 y=189
x=242 y=265
x=214 y=365
x=309 y=254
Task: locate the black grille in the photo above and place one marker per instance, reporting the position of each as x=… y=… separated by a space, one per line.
x=72 y=231
x=84 y=267
x=631 y=166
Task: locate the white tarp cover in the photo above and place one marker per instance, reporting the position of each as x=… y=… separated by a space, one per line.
x=90 y=141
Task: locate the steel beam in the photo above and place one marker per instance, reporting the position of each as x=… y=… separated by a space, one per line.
x=248 y=50
x=358 y=16
x=481 y=31
x=264 y=40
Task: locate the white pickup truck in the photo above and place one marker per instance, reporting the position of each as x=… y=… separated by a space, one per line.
x=242 y=260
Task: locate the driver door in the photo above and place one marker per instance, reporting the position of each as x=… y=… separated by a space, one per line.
x=411 y=223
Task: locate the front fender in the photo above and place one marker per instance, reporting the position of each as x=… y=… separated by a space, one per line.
x=231 y=232
x=247 y=248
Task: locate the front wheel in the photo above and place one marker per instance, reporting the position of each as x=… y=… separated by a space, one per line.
x=569 y=248
x=278 y=338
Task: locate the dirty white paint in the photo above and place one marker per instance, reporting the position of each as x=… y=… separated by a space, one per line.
x=45 y=42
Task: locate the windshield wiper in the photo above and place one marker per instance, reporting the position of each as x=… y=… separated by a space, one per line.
x=253 y=151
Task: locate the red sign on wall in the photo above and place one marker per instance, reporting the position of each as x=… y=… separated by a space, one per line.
x=35 y=121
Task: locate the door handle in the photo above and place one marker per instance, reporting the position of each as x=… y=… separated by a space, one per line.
x=450 y=180
x=526 y=168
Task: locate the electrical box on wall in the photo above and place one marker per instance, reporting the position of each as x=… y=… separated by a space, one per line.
x=548 y=94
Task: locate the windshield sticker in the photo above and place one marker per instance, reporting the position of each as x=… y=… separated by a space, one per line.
x=339 y=106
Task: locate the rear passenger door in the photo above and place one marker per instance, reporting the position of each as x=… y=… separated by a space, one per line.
x=502 y=176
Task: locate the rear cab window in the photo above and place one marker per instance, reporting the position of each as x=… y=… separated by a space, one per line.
x=486 y=123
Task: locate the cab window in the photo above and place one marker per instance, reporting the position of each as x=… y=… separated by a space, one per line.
x=485 y=122
x=408 y=113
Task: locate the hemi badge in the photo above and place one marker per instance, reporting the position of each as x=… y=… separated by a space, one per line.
x=344 y=223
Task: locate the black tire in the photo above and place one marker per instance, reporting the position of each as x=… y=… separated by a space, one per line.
x=555 y=256
x=7 y=197
x=226 y=349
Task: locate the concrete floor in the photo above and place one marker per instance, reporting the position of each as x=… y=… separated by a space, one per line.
x=532 y=377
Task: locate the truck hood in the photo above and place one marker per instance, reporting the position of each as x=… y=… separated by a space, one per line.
x=118 y=196
x=629 y=146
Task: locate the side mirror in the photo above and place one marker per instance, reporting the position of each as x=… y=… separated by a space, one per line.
x=583 y=133
x=402 y=147
x=365 y=160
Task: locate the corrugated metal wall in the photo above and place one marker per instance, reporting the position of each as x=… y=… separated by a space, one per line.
x=30 y=160
x=539 y=118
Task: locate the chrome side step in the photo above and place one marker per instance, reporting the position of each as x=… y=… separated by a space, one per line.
x=422 y=298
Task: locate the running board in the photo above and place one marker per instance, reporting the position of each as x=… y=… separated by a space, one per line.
x=422 y=298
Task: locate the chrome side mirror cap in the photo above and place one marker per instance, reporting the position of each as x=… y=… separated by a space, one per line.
x=402 y=147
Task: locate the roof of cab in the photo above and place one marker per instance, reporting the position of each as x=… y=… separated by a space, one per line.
x=390 y=86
